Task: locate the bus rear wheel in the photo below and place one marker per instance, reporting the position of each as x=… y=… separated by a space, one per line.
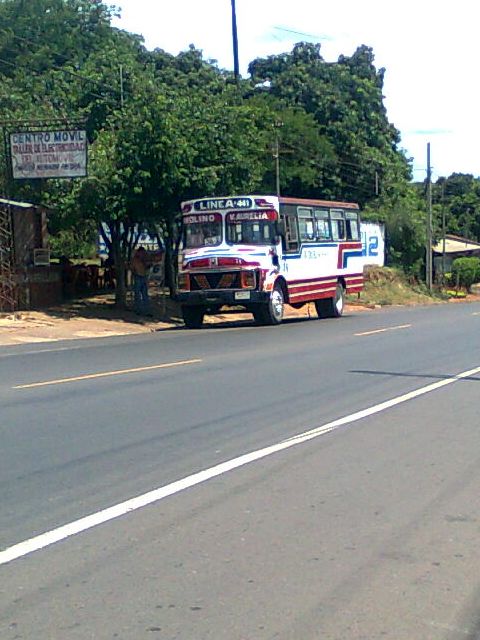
x=331 y=307
x=193 y=316
x=272 y=311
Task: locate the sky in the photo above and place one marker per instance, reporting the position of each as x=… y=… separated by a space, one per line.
x=428 y=48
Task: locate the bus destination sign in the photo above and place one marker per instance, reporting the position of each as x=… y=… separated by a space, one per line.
x=217 y=204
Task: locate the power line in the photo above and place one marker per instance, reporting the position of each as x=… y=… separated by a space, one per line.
x=53 y=66
x=300 y=33
x=38 y=75
x=30 y=42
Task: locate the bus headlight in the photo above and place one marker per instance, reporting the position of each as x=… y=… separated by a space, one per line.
x=183 y=282
x=248 y=280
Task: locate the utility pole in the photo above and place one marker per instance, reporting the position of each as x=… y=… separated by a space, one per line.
x=236 y=69
x=121 y=87
x=8 y=288
x=443 y=232
x=428 y=262
x=276 y=155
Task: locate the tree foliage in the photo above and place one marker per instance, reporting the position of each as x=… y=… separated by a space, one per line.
x=164 y=128
x=466 y=271
x=457 y=199
x=345 y=100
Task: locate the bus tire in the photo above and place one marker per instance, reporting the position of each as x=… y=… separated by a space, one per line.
x=331 y=307
x=193 y=316
x=259 y=315
x=271 y=312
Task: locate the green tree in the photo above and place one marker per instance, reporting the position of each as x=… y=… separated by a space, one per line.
x=165 y=128
x=346 y=101
x=459 y=197
x=466 y=271
x=162 y=148
x=75 y=79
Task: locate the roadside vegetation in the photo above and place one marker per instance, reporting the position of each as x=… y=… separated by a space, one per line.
x=391 y=286
x=165 y=128
x=385 y=286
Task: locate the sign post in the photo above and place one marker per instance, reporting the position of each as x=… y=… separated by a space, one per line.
x=35 y=149
x=60 y=153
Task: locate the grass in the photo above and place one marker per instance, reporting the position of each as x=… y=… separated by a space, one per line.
x=390 y=286
x=456 y=294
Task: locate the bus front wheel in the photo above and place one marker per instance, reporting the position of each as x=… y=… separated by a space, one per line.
x=193 y=316
x=331 y=307
x=272 y=311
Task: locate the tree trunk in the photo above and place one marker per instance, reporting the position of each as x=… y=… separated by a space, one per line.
x=171 y=259
x=119 y=262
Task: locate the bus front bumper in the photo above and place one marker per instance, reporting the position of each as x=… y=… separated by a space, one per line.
x=235 y=298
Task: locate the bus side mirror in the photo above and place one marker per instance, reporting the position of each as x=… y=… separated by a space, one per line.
x=281 y=228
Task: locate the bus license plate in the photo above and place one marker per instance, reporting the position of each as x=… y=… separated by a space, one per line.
x=242 y=295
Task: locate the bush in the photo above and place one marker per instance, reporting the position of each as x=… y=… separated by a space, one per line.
x=465 y=272
x=448 y=279
x=455 y=294
x=71 y=244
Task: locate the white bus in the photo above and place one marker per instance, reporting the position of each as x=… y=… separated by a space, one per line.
x=261 y=252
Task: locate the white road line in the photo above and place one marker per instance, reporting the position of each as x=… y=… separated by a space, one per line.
x=32 y=339
x=106 y=374
x=88 y=522
x=369 y=333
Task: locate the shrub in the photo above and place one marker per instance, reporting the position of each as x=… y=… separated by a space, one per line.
x=71 y=244
x=466 y=271
x=448 y=279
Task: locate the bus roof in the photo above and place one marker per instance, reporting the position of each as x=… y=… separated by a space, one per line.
x=245 y=201
x=318 y=203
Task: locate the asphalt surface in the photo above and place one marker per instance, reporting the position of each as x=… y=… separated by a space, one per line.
x=367 y=528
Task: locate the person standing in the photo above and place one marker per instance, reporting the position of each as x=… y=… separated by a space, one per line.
x=140 y=267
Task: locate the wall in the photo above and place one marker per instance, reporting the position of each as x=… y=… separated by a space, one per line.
x=29 y=233
x=39 y=287
x=373 y=242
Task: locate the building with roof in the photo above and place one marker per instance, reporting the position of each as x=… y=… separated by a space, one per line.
x=27 y=279
x=446 y=251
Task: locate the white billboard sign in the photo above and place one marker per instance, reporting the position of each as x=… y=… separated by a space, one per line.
x=49 y=154
x=373 y=242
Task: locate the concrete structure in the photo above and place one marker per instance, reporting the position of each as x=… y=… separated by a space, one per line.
x=27 y=280
x=455 y=247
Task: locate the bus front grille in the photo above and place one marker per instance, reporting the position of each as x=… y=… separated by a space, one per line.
x=215 y=280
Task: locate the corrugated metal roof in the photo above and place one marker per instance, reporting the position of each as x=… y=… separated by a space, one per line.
x=456 y=244
x=14 y=203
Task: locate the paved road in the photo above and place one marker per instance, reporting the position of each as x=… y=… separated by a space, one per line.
x=366 y=527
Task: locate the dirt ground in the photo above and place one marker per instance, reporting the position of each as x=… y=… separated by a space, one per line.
x=89 y=317
x=96 y=316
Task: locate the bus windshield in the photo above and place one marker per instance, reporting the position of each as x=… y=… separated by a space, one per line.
x=252 y=227
x=202 y=230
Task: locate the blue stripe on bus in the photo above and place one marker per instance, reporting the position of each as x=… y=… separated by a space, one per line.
x=351 y=254
x=209 y=252
x=296 y=256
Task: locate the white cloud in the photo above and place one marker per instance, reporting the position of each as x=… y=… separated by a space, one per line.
x=429 y=49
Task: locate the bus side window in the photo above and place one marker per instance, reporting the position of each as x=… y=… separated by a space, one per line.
x=288 y=219
x=353 y=229
x=291 y=235
x=305 y=224
x=338 y=224
x=322 y=223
